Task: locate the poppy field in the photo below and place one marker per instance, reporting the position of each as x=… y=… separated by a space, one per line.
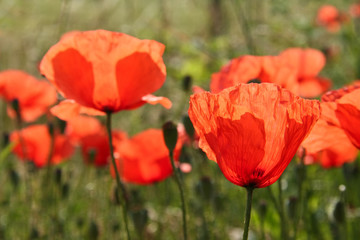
x=217 y=119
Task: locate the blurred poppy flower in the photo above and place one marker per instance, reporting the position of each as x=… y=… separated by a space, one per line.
x=307 y=63
x=91 y=136
x=106 y=71
x=34 y=96
x=144 y=158
x=329 y=17
x=295 y=69
x=328 y=145
x=342 y=108
x=81 y=126
x=35 y=144
x=355 y=10
x=239 y=70
x=252 y=130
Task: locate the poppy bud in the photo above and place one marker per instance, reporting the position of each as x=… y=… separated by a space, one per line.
x=187 y=82
x=292 y=207
x=262 y=209
x=58 y=175
x=205 y=188
x=34 y=234
x=61 y=124
x=93 y=231
x=170 y=135
x=92 y=155
x=189 y=128
x=339 y=212
x=14 y=178
x=255 y=80
x=140 y=218
x=16 y=106
x=2 y=231
x=115 y=227
x=6 y=139
x=51 y=128
x=65 y=190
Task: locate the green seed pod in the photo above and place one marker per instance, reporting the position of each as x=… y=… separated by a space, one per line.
x=170 y=135
x=189 y=128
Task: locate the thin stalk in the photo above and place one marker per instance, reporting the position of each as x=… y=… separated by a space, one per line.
x=179 y=183
x=284 y=229
x=120 y=184
x=273 y=199
x=245 y=27
x=301 y=188
x=249 y=191
x=50 y=154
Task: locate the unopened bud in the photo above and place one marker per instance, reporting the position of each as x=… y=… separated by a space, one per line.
x=339 y=212
x=140 y=218
x=186 y=83
x=170 y=135
x=189 y=128
x=292 y=207
x=255 y=80
x=51 y=128
x=15 y=105
x=262 y=209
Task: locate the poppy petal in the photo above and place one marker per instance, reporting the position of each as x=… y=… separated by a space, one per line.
x=68 y=109
x=165 y=102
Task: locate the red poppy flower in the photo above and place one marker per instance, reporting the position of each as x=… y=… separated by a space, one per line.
x=342 y=108
x=239 y=70
x=144 y=158
x=328 y=145
x=295 y=69
x=36 y=142
x=106 y=71
x=252 y=130
x=355 y=10
x=329 y=17
x=34 y=96
x=91 y=136
x=307 y=63
x=82 y=126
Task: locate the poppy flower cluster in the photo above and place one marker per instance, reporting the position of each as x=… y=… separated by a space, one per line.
x=334 y=139
x=331 y=18
x=252 y=130
x=296 y=69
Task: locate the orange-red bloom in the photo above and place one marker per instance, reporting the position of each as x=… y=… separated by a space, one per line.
x=355 y=10
x=91 y=136
x=252 y=130
x=329 y=17
x=307 y=63
x=296 y=69
x=144 y=158
x=328 y=145
x=34 y=144
x=106 y=71
x=34 y=96
x=342 y=108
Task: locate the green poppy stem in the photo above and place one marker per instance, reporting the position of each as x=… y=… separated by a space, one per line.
x=249 y=191
x=120 y=184
x=179 y=183
x=283 y=219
